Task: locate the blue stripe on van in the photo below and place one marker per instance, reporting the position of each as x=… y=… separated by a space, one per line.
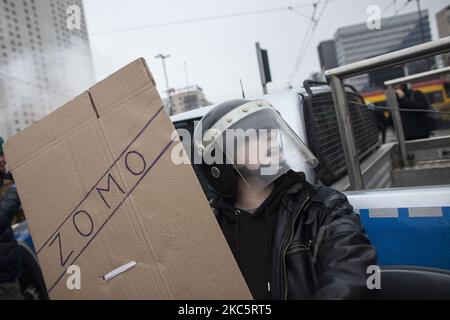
x=420 y=241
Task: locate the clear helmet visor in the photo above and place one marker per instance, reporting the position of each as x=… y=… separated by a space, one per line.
x=258 y=143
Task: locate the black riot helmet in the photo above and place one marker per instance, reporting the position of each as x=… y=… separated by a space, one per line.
x=248 y=140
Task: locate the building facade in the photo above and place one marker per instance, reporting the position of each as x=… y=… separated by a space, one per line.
x=187 y=99
x=327 y=55
x=358 y=42
x=43 y=63
x=443 y=24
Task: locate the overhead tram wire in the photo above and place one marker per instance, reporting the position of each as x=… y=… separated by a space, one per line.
x=35 y=85
x=208 y=18
x=306 y=44
x=308 y=30
x=402 y=8
x=393 y=2
x=304 y=48
x=299 y=12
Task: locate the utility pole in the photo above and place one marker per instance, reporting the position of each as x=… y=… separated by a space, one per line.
x=186 y=74
x=242 y=89
x=163 y=59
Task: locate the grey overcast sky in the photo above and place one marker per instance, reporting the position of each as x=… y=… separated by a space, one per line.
x=219 y=52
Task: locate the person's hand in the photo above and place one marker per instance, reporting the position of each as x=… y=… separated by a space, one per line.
x=400 y=93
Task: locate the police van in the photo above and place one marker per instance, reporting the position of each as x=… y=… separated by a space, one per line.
x=404 y=210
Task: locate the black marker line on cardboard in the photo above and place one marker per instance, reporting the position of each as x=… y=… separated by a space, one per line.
x=163 y=151
x=108 y=188
x=107 y=171
x=61 y=258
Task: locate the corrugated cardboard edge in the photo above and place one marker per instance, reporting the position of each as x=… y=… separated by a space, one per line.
x=20 y=157
x=23 y=155
x=43 y=140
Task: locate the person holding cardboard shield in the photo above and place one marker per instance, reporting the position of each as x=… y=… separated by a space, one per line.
x=4 y=174
x=291 y=239
x=9 y=252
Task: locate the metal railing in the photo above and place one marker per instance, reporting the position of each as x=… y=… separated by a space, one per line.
x=336 y=78
x=392 y=102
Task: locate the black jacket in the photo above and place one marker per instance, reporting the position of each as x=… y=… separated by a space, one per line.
x=319 y=248
x=5 y=176
x=9 y=251
x=414 y=123
x=249 y=235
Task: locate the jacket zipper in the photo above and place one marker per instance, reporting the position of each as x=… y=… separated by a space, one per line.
x=300 y=247
x=287 y=246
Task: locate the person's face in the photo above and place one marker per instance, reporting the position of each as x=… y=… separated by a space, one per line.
x=2 y=163
x=261 y=149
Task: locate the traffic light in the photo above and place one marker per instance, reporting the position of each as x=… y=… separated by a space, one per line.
x=264 y=68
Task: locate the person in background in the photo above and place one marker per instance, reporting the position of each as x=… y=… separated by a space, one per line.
x=9 y=251
x=291 y=239
x=3 y=171
x=415 y=124
x=380 y=120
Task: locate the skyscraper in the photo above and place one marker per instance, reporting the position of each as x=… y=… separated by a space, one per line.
x=327 y=55
x=187 y=99
x=358 y=42
x=42 y=63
